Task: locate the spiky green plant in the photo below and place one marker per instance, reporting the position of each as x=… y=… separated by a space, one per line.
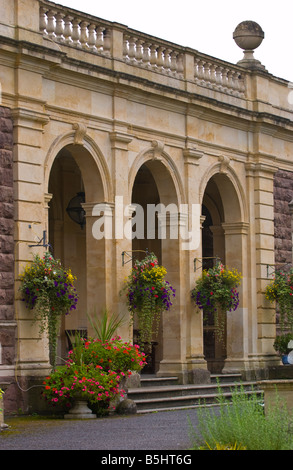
x=106 y=326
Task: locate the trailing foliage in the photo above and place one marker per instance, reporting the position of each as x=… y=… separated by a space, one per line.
x=280 y=290
x=48 y=288
x=148 y=295
x=215 y=292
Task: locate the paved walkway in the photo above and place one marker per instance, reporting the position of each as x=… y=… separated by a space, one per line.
x=167 y=431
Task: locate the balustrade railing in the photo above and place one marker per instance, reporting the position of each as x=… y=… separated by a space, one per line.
x=85 y=32
x=64 y=27
x=154 y=56
x=219 y=77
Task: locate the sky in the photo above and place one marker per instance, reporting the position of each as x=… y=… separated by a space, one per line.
x=206 y=25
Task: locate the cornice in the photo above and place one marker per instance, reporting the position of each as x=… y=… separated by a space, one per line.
x=194 y=104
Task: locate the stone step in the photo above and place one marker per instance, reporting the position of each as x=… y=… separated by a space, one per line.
x=152 y=380
x=225 y=378
x=181 y=403
x=156 y=396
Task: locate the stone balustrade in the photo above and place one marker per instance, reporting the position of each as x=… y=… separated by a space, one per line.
x=155 y=56
x=219 y=76
x=64 y=27
x=88 y=33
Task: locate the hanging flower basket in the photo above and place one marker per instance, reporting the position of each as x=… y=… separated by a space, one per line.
x=48 y=289
x=280 y=290
x=216 y=292
x=148 y=295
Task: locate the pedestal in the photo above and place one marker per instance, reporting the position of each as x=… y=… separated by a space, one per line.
x=278 y=392
x=80 y=410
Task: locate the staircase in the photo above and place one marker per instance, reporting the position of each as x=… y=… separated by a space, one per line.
x=165 y=394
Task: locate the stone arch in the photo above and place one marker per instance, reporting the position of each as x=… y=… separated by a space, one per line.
x=230 y=188
x=79 y=157
x=223 y=196
x=97 y=162
x=168 y=188
x=156 y=156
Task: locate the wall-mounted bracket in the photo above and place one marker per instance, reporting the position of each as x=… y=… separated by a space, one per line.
x=43 y=241
x=129 y=255
x=195 y=268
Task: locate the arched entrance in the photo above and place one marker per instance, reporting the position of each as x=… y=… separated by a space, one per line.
x=224 y=239
x=73 y=173
x=152 y=187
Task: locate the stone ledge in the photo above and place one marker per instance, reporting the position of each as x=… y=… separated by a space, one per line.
x=280 y=372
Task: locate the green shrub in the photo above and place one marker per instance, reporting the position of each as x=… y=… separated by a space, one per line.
x=244 y=422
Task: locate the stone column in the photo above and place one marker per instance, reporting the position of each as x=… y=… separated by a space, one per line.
x=186 y=359
x=99 y=264
x=122 y=212
x=260 y=254
x=238 y=321
x=30 y=222
x=173 y=321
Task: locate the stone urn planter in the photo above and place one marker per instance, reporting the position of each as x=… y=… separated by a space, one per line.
x=80 y=410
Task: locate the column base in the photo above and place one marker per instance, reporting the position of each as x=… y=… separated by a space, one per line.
x=251 y=367
x=191 y=372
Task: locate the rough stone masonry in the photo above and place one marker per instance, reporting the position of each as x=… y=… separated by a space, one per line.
x=7 y=331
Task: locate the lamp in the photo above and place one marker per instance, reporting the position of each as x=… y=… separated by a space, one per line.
x=75 y=209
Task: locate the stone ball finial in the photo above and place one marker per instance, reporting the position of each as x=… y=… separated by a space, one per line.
x=248 y=35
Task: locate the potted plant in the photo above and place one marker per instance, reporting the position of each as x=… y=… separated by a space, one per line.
x=282 y=345
x=92 y=375
x=148 y=295
x=48 y=289
x=280 y=290
x=105 y=326
x=216 y=292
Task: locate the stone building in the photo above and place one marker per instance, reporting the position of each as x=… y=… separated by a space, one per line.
x=118 y=117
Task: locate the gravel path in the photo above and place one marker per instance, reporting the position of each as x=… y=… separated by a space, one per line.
x=155 y=431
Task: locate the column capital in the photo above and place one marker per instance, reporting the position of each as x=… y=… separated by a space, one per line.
x=236 y=228
x=106 y=207
x=192 y=156
x=119 y=140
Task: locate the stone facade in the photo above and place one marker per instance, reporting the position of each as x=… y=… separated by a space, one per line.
x=283 y=195
x=123 y=116
x=7 y=319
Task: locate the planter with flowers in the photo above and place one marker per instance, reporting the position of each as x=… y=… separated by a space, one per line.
x=148 y=295
x=48 y=288
x=283 y=344
x=215 y=293
x=92 y=375
x=280 y=290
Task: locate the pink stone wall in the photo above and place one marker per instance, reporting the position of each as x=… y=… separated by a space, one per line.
x=283 y=194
